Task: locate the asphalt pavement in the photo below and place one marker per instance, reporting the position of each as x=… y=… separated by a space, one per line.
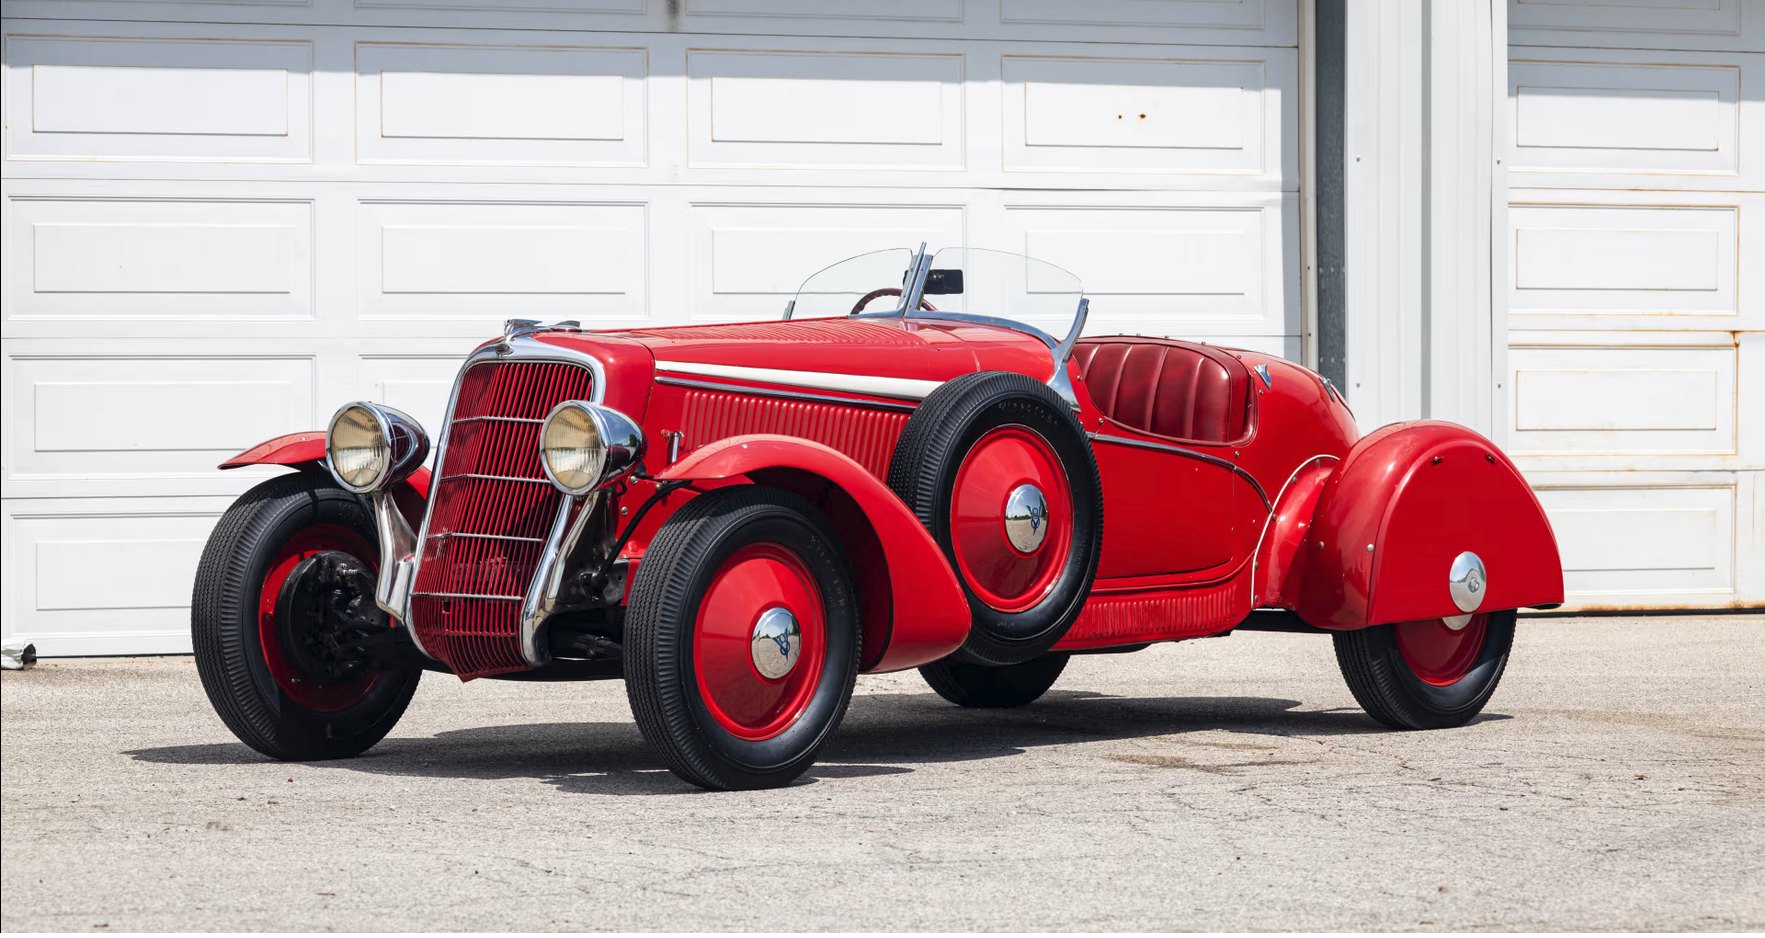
x=1616 y=782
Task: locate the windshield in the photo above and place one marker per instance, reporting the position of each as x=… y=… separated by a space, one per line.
x=951 y=283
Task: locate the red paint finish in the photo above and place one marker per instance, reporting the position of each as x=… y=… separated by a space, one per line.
x=324 y=697
x=1438 y=654
x=289 y=449
x=753 y=580
x=929 y=613
x=466 y=602
x=868 y=436
x=1407 y=500
x=1284 y=534
x=1133 y=617
x=1002 y=576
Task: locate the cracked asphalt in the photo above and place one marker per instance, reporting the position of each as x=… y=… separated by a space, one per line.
x=1617 y=782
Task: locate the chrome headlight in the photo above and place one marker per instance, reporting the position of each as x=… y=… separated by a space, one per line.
x=586 y=446
x=369 y=446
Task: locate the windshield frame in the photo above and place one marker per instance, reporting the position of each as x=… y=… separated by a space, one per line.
x=914 y=292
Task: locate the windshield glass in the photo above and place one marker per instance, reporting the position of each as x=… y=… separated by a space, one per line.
x=979 y=282
x=962 y=282
x=868 y=283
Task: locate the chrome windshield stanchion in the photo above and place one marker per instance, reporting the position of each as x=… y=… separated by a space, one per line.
x=1061 y=381
x=548 y=576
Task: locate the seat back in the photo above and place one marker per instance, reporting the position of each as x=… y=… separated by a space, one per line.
x=1181 y=390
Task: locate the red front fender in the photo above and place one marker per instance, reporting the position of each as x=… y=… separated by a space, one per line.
x=306 y=451
x=1406 y=501
x=925 y=614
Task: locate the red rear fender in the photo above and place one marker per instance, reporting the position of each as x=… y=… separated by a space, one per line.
x=1406 y=501
x=914 y=609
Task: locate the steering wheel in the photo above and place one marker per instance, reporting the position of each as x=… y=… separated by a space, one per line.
x=858 y=307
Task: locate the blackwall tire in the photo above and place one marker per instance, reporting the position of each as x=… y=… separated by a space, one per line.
x=1407 y=690
x=981 y=686
x=693 y=652
x=975 y=441
x=234 y=643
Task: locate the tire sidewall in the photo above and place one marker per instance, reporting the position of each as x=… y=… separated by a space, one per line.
x=294 y=730
x=1000 y=638
x=1468 y=693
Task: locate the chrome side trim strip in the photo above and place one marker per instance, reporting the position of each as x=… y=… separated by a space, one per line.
x=911 y=389
x=779 y=393
x=1209 y=458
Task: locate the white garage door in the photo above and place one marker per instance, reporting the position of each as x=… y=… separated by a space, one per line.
x=224 y=219
x=1637 y=293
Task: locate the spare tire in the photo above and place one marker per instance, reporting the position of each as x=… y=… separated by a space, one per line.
x=998 y=469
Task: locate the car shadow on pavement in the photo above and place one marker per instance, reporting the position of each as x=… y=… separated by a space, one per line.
x=883 y=734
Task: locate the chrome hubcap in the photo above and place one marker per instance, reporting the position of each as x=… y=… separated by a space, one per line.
x=1026 y=518
x=777 y=643
x=1467 y=582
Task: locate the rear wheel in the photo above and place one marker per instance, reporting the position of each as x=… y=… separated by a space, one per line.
x=1426 y=674
x=281 y=614
x=741 y=638
x=978 y=685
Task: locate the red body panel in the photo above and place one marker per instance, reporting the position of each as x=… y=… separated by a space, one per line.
x=1406 y=501
x=928 y=613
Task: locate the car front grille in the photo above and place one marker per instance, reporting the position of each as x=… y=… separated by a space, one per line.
x=490 y=509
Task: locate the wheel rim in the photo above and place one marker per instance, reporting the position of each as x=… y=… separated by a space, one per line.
x=1439 y=654
x=324 y=696
x=1010 y=575
x=754 y=597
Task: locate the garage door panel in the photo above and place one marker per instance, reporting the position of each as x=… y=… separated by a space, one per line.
x=145 y=260
x=1186 y=270
x=582 y=106
x=1637 y=24
x=1626 y=260
x=747 y=260
x=787 y=109
x=1276 y=20
x=1646 y=544
x=451 y=259
x=126 y=417
x=1624 y=119
x=76 y=98
x=1610 y=405
x=1098 y=115
x=106 y=576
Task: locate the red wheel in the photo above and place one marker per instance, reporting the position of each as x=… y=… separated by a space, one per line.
x=297 y=682
x=292 y=651
x=741 y=638
x=1427 y=674
x=760 y=640
x=1438 y=653
x=1011 y=518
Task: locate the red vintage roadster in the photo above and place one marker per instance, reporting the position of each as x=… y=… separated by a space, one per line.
x=740 y=519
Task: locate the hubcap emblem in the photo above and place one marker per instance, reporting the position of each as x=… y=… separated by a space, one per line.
x=777 y=642
x=1026 y=518
x=1467 y=581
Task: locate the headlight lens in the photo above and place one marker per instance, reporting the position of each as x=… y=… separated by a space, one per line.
x=573 y=448
x=358 y=447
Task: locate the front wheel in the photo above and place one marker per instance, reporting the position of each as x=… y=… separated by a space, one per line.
x=281 y=612
x=741 y=638
x=1427 y=674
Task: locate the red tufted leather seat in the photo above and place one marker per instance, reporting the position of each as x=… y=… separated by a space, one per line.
x=1182 y=390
